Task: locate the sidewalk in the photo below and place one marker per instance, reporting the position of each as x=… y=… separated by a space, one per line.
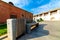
x=3 y=37
x=45 y=31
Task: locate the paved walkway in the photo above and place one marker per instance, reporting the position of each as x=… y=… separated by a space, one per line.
x=4 y=36
x=45 y=31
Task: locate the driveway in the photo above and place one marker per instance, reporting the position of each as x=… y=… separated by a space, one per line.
x=45 y=31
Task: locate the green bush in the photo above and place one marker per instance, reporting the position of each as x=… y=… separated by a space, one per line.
x=3 y=29
x=40 y=20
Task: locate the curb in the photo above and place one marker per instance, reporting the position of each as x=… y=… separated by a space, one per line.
x=4 y=36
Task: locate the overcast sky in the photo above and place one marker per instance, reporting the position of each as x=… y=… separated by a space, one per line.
x=36 y=6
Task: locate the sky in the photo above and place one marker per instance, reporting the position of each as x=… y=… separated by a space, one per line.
x=36 y=6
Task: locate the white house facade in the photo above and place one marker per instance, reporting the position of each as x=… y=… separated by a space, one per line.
x=53 y=15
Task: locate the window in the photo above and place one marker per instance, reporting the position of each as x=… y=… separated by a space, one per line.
x=45 y=13
x=22 y=15
x=53 y=11
x=13 y=16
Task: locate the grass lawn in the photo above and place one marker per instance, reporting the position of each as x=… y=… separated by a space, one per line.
x=3 y=29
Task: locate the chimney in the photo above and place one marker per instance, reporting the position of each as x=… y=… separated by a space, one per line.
x=11 y=3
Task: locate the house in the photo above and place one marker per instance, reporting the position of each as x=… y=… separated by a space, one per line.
x=8 y=11
x=52 y=15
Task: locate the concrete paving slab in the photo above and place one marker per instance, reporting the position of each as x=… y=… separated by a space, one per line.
x=45 y=31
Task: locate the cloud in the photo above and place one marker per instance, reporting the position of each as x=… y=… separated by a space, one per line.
x=52 y=5
x=36 y=7
x=19 y=3
x=14 y=1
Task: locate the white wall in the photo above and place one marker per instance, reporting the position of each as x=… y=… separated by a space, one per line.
x=48 y=17
x=36 y=18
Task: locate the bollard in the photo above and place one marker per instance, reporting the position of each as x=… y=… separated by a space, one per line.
x=11 y=29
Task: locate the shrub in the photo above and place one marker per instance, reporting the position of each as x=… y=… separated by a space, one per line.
x=40 y=20
x=3 y=29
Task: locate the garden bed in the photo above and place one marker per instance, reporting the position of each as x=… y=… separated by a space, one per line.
x=3 y=29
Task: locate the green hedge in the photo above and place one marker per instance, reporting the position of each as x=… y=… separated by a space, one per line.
x=40 y=20
x=3 y=29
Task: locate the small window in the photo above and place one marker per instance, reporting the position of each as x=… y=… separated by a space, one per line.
x=13 y=16
x=53 y=11
x=22 y=15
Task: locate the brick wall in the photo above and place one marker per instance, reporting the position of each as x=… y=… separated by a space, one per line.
x=7 y=9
